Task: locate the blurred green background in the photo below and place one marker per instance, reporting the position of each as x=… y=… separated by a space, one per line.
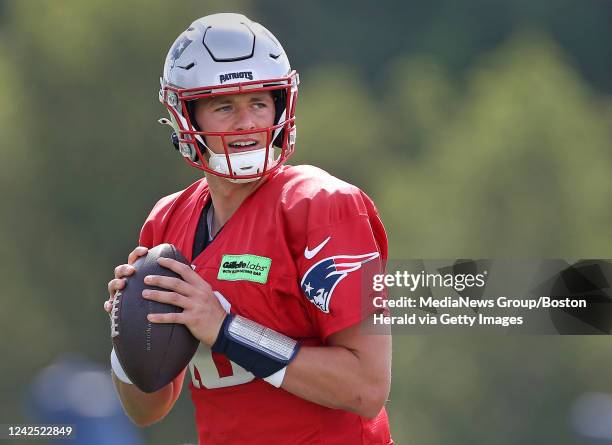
x=481 y=128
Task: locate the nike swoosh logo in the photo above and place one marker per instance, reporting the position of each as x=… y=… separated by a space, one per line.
x=309 y=254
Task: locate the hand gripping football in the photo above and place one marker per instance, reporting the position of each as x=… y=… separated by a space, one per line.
x=151 y=354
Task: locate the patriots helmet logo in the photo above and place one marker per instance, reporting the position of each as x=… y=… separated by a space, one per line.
x=322 y=278
x=178 y=48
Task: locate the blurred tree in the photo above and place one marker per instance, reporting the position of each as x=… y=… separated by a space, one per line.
x=513 y=170
x=340 y=125
x=366 y=34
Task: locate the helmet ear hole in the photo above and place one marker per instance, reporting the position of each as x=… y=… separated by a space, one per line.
x=190 y=105
x=280 y=103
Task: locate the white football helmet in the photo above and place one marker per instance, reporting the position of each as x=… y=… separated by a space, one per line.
x=223 y=54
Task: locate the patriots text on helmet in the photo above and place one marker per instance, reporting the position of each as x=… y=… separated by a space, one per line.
x=242 y=75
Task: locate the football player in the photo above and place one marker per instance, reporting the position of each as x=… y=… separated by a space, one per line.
x=281 y=256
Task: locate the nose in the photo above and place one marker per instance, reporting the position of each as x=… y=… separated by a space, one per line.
x=244 y=119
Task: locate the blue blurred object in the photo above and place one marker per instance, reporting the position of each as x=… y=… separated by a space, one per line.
x=591 y=417
x=76 y=391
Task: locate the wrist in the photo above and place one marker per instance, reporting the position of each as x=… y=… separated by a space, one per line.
x=217 y=330
x=256 y=348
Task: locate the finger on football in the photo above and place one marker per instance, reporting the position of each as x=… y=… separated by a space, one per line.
x=167 y=297
x=137 y=253
x=114 y=285
x=171 y=317
x=124 y=270
x=169 y=283
x=182 y=269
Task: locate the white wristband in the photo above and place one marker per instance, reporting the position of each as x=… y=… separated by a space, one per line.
x=117 y=369
x=277 y=378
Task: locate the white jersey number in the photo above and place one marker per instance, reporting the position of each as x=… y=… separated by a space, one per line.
x=211 y=370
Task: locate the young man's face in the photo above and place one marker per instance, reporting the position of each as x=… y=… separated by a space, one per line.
x=236 y=112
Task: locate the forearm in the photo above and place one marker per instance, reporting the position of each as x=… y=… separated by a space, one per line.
x=351 y=372
x=147 y=408
x=337 y=377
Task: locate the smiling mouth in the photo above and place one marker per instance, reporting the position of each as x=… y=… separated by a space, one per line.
x=238 y=146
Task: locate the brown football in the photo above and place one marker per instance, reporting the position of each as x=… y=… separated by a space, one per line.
x=151 y=354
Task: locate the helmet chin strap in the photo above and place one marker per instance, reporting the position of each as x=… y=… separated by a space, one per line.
x=245 y=163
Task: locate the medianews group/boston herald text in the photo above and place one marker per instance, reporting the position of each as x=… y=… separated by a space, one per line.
x=466 y=302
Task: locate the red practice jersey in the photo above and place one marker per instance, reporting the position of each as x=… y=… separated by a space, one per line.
x=292 y=258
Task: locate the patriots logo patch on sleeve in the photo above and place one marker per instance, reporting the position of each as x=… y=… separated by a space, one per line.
x=322 y=278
